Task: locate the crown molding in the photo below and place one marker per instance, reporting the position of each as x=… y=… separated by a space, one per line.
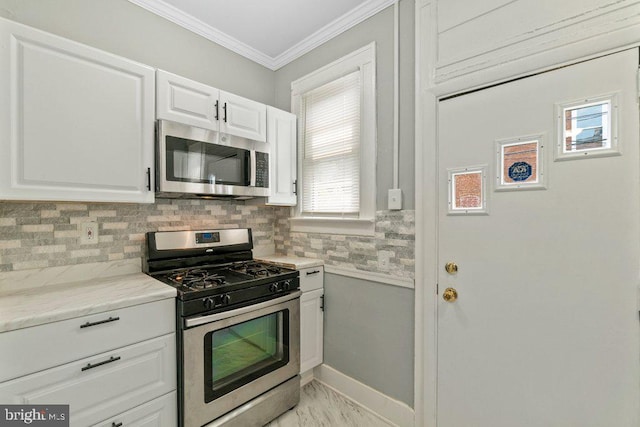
x=331 y=30
x=190 y=23
x=334 y=28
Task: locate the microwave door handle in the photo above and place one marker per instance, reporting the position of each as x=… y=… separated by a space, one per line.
x=252 y=169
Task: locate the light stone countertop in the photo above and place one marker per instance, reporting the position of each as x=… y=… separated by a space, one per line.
x=37 y=305
x=296 y=263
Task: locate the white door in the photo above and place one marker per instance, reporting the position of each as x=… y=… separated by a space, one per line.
x=545 y=328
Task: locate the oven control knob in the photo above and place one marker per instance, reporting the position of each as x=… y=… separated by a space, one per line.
x=274 y=287
x=209 y=303
x=287 y=285
x=226 y=299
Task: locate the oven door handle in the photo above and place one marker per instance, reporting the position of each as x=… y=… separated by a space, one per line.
x=196 y=321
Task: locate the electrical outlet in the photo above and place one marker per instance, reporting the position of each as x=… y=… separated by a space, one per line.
x=89 y=233
x=395 y=199
x=383 y=260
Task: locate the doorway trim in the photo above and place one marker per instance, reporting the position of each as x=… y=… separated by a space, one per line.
x=426 y=175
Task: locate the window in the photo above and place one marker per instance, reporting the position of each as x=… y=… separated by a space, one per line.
x=587 y=128
x=335 y=106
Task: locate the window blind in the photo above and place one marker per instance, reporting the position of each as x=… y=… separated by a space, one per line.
x=331 y=143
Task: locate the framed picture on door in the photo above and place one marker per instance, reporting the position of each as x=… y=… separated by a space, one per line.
x=520 y=163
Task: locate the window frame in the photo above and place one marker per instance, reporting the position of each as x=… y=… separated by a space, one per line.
x=362 y=223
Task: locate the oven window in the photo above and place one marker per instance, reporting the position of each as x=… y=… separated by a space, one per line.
x=240 y=353
x=206 y=163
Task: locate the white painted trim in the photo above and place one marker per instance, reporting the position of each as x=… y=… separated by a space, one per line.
x=306 y=377
x=324 y=34
x=426 y=253
x=192 y=24
x=386 y=279
x=389 y=409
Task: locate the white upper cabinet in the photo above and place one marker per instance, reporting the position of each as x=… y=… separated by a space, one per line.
x=281 y=136
x=187 y=101
x=76 y=123
x=243 y=117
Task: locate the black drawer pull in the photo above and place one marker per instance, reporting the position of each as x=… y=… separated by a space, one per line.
x=95 y=365
x=116 y=425
x=309 y=273
x=110 y=319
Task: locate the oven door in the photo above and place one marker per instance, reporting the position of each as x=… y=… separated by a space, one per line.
x=233 y=357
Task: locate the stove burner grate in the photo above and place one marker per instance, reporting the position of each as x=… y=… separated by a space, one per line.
x=197 y=278
x=256 y=269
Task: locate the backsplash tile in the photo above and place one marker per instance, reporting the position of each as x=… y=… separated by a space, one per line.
x=38 y=235
x=394 y=234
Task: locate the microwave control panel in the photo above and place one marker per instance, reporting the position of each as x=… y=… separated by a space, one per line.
x=262 y=169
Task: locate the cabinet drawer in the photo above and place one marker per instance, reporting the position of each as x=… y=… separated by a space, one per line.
x=311 y=278
x=102 y=385
x=29 y=350
x=161 y=412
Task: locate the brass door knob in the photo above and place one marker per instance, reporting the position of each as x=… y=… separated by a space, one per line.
x=451 y=267
x=450 y=295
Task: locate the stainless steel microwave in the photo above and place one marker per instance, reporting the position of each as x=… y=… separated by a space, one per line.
x=195 y=162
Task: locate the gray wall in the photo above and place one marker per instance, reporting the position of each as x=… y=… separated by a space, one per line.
x=378 y=28
x=368 y=334
x=125 y=29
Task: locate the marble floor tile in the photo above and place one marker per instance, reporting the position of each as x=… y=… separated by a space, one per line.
x=322 y=407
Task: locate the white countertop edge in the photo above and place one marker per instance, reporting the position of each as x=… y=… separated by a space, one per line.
x=30 y=307
x=291 y=261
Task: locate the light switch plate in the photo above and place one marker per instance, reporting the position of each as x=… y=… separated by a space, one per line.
x=395 y=199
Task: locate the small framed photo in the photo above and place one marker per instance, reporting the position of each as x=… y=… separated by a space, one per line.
x=468 y=190
x=520 y=163
x=587 y=128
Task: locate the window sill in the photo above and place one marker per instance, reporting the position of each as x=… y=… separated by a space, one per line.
x=348 y=226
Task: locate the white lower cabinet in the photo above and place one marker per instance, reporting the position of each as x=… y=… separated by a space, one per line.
x=311 y=317
x=160 y=412
x=125 y=378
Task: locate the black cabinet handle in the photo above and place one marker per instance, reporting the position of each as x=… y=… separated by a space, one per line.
x=116 y=425
x=149 y=179
x=95 y=365
x=89 y=324
x=217 y=110
x=295 y=187
x=224 y=107
x=322 y=303
x=309 y=273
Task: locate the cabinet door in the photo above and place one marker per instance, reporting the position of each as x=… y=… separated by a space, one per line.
x=243 y=117
x=103 y=385
x=76 y=123
x=161 y=412
x=186 y=101
x=281 y=136
x=311 y=329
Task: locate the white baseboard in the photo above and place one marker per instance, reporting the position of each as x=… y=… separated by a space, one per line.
x=390 y=409
x=306 y=377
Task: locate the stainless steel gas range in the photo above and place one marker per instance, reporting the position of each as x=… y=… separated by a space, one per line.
x=238 y=327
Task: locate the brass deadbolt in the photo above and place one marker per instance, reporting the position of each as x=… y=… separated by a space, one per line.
x=450 y=295
x=451 y=267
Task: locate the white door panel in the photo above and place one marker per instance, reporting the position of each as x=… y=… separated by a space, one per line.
x=545 y=330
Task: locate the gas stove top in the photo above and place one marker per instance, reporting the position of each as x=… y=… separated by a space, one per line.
x=214 y=270
x=196 y=282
